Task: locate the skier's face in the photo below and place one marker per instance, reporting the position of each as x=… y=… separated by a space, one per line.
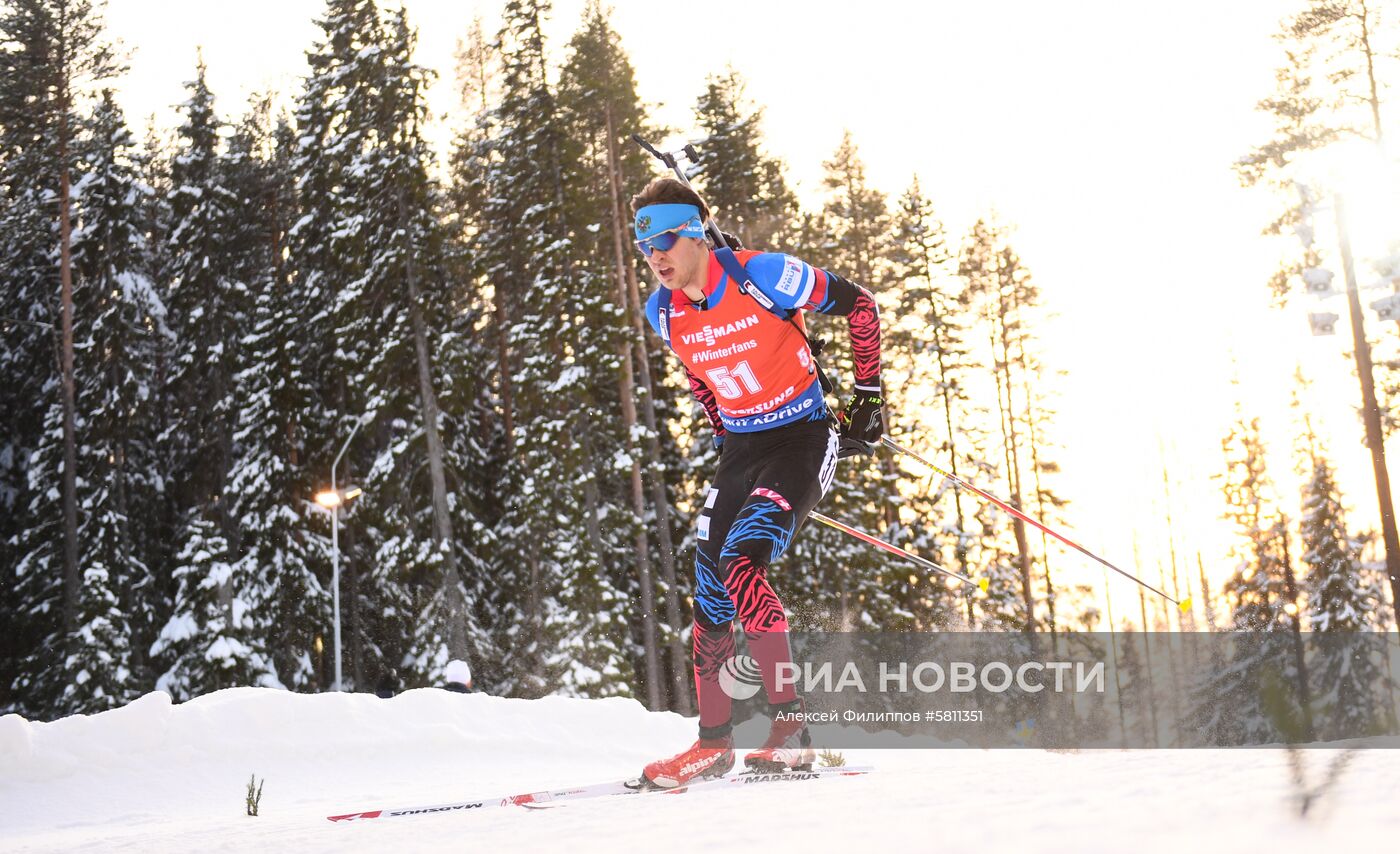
x=682 y=265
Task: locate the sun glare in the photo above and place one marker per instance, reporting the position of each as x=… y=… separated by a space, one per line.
x=1366 y=177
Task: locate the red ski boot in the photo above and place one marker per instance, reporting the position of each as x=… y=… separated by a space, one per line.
x=707 y=757
x=789 y=745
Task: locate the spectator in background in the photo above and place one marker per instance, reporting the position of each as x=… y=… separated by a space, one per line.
x=457 y=676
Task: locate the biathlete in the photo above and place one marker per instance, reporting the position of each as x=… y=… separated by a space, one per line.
x=747 y=357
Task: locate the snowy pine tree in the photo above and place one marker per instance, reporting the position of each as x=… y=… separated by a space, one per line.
x=1229 y=704
x=1301 y=126
x=476 y=359
x=1003 y=607
x=526 y=256
x=270 y=481
x=1346 y=670
x=744 y=186
x=163 y=514
x=838 y=582
x=52 y=52
x=123 y=319
x=1003 y=295
x=31 y=585
x=929 y=368
x=600 y=107
x=212 y=639
x=409 y=488
x=337 y=111
x=1256 y=588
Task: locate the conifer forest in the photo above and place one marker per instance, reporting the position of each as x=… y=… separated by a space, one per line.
x=203 y=324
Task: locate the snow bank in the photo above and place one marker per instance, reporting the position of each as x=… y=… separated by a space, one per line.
x=259 y=728
x=154 y=776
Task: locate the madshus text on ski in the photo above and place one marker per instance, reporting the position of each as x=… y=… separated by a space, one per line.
x=549 y=798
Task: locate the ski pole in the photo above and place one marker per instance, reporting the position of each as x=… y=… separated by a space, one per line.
x=1183 y=604
x=893 y=549
x=670 y=160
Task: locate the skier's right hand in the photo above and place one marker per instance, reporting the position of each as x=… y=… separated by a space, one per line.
x=863 y=418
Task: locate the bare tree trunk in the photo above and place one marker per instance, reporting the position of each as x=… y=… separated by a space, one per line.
x=1182 y=617
x=72 y=582
x=1299 y=660
x=961 y=550
x=1023 y=550
x=627 y=395
x=128 y=594
x=1031 y=419
x=591 y=500
x=1370 y=410
x=1018 y=527
x=228 y=524
x=1172 y=640
x=1117 y=679
x=865 y=273
x=1374 y=94
x=1185 y=619
x=1205 y=595
x=456 y=606
x=650 y=633
x=1147 y=659
x=1013 y=465
x=1039 y=497
x=946 y=387
x=661 y=508
x=503 y=363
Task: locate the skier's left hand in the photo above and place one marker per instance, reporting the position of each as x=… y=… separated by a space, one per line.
x=862 y=419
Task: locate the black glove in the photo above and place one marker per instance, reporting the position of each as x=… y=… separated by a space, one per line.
x=862 y=418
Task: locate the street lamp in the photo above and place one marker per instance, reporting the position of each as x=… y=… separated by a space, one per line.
x=332 y=500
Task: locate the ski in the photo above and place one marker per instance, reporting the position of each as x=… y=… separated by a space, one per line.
x=555 y=797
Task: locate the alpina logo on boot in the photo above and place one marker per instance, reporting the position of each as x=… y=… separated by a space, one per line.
x=739 y=677
x=699 y=765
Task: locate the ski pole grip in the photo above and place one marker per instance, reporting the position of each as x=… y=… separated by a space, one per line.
x=668 y=159
x=646 y=146
x=853 y=448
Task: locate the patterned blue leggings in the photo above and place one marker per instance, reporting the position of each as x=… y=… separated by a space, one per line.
x=766 y=485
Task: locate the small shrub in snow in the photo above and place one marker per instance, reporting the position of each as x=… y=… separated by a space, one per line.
x=254 y=794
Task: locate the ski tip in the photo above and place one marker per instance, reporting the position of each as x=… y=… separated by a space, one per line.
x=983 y=584
x=354 y=816
x=1184 y=605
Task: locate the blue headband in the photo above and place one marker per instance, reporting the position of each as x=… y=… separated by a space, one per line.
x=655 y=219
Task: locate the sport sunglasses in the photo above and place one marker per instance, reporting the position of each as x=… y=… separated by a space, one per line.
x=665 y=241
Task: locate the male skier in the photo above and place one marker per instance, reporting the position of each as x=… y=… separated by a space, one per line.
x=750 y=366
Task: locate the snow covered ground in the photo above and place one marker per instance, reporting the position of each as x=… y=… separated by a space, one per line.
x=159 y=777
